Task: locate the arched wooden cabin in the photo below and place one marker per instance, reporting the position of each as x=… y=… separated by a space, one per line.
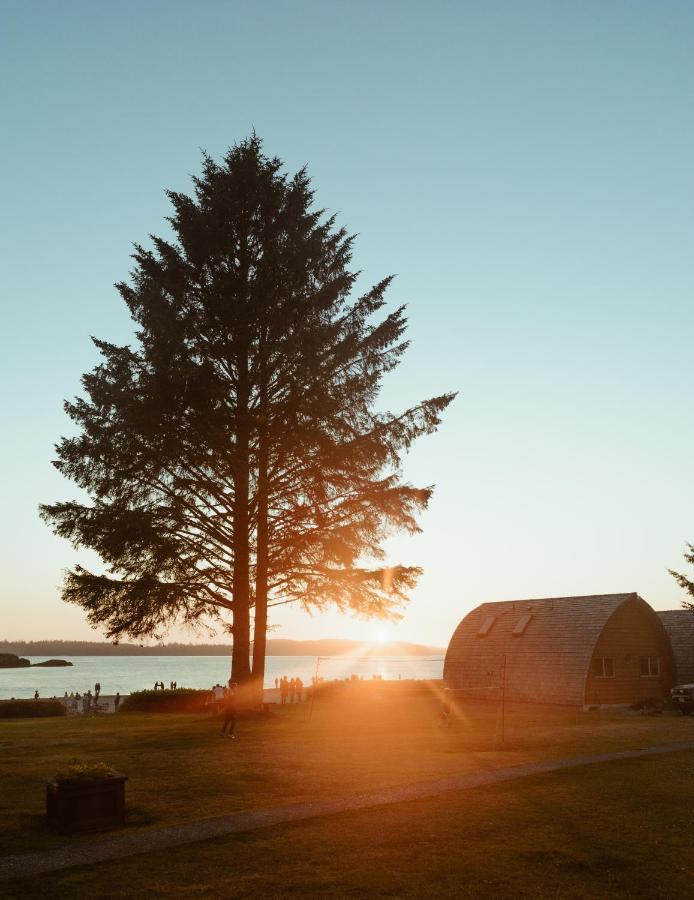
x=679 y=625
x=602 y=650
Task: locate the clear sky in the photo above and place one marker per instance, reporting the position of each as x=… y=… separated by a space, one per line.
x=524 y=167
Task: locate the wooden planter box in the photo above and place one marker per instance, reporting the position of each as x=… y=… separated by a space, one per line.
x=86 y=804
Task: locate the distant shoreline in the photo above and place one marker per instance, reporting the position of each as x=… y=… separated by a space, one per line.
x=126 y=674
x=275 y=647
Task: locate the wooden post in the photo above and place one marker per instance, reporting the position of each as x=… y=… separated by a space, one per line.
x=503 y=702
x=313 y=689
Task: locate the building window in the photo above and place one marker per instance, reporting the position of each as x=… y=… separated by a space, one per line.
x=650 y=666
x=603 y=667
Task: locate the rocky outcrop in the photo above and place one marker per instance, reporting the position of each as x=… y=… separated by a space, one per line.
x=10 y=661
x=53 y=662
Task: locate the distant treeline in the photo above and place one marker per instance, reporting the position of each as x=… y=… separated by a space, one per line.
x=275 y=647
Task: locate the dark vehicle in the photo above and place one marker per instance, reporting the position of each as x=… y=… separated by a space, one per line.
x=683 y=698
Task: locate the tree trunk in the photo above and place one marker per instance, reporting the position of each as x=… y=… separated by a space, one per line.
x=260 y=630
x=261 y=570
x=240 y=665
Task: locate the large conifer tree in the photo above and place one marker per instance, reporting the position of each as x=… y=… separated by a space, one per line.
x=233 y=456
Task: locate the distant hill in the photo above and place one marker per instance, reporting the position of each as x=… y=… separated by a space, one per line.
x=275 y=647
x=337 y=647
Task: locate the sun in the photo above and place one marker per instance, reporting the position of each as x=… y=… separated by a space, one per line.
x=381 y=635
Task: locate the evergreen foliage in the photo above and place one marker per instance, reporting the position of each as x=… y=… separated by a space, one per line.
x=234 y=457
x=685 y=582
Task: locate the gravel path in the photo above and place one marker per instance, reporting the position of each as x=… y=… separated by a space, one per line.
x=122 y=845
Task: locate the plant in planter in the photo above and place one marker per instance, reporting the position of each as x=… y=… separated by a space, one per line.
x=86 y=796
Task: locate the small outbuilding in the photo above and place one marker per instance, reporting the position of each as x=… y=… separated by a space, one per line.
x=679 y=625
x=599 y=650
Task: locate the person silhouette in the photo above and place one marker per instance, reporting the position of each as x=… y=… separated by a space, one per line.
x=229 y=708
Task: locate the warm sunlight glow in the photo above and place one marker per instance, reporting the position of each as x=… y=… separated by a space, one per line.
x=381 y=635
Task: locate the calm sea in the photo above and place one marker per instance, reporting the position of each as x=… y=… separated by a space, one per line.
x=134 y=673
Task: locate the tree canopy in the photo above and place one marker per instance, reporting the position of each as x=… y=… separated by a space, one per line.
x=234 y=455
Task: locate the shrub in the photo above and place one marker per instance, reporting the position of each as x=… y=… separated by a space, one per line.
x=30 y=709
x=182 y=700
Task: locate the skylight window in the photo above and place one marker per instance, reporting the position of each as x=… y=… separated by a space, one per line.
x=522 y=624
x=486 y=626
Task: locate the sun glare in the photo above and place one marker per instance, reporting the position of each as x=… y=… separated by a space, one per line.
x=381 y=635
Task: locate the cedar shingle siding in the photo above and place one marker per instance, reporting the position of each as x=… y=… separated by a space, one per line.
x=679 y=625
x=553 y=651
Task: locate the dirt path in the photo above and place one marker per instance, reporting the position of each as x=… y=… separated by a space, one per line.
x=122 y=845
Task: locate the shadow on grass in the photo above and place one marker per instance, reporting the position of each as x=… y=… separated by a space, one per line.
x=36 y=824
x=595 y=865
x=139 y=817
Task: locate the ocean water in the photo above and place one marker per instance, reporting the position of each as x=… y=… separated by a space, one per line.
x=134 y=673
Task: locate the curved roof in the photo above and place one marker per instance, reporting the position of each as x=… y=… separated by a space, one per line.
x=679 y=625
x=548 y=644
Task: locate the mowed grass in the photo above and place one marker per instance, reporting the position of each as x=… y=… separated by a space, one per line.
x=607 y=830
x=180 y=770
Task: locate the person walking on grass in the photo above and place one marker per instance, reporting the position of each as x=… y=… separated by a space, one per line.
x=229 y=708
x=445 y=714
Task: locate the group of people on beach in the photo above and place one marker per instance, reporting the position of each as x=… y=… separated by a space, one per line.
x=86 y=703
x=291 y=690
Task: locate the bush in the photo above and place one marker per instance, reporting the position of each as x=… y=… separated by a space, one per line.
x=30 y=709
x=182 y=700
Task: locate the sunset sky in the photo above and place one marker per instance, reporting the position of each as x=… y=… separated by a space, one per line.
x=524 y=168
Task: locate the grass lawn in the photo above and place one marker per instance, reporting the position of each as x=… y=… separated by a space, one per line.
x=609 y=830
x=180 y=770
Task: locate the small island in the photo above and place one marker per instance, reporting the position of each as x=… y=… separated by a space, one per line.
x=52 y=663
x=10 y=661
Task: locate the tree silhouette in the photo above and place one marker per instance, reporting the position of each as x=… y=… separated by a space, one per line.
x=683 y=581
x=233 y=457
